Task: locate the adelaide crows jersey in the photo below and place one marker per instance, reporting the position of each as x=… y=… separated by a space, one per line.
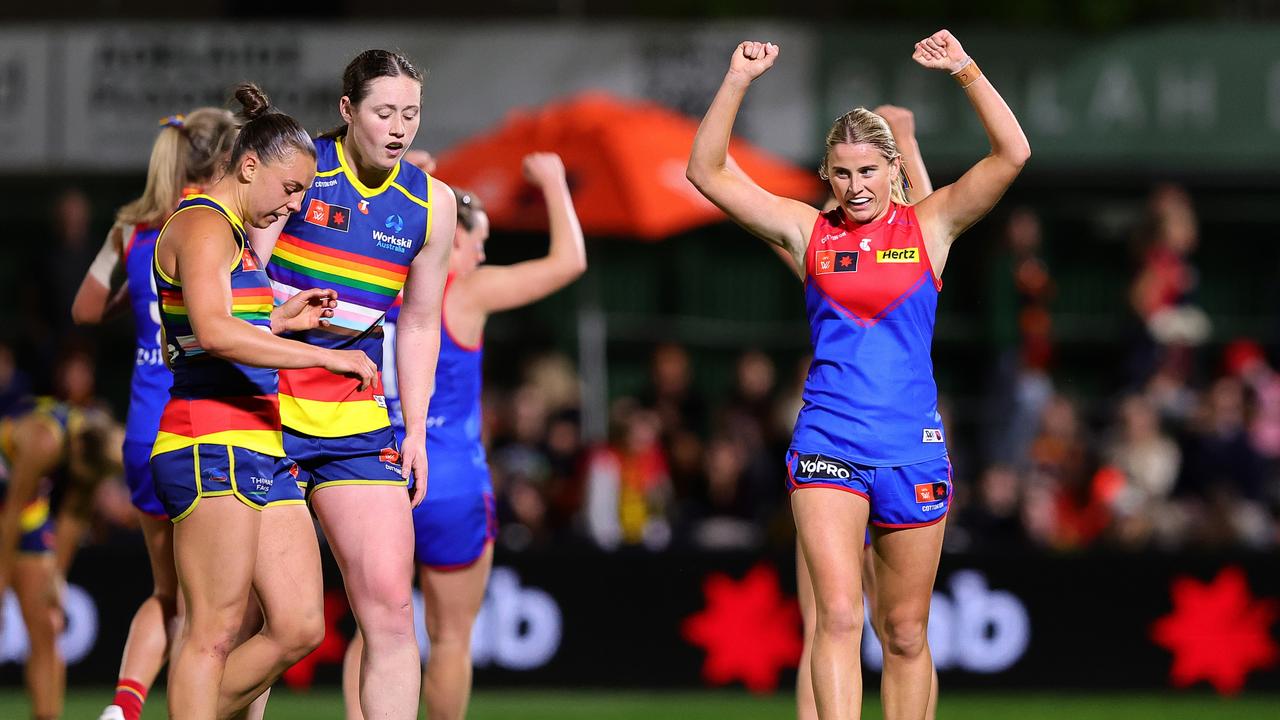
x=359 y=241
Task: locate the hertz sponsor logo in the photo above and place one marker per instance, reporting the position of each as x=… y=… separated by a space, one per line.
x=898 y=255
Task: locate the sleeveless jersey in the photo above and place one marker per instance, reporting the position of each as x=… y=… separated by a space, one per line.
x=871 y=297
x=360 y=242
x=212 y=400
x=149 y=387
x=454 y=412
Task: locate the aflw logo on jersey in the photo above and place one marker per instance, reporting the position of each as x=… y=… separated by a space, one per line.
x=898 y=255
x=335 y=217
x=835 y=261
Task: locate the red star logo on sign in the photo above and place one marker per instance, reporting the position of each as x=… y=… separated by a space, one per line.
x=1217 y=631
x=750 y=630
x=338 y=217
x=846 y=261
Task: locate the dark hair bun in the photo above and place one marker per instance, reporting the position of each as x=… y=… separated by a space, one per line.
x=253 y=101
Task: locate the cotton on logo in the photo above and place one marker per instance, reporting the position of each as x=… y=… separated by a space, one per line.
x=74 y=643
x=976 y=629
x=519 y=628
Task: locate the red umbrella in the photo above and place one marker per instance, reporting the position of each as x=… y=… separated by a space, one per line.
x=625 y=161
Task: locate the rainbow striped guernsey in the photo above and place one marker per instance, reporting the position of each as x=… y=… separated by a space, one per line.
x=360 y=242
x=215 y=401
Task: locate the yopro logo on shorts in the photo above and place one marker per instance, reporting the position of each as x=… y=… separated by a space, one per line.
x=818 y=467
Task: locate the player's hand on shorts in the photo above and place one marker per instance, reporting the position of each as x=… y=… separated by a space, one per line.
x=413 y=467
x=902 y=122
x=421 y=159
x=543 y=169
x=941 y=51
x=306 y=310
x=352 y=363
x=752 y=59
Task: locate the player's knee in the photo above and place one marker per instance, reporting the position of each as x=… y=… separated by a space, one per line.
x=387 y=610
x=217 y=638
x=300 y=636
x=453 y=634
x=904 y=635
x=842 y=617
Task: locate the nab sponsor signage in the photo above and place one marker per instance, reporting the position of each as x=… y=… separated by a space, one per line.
x=76 y=641
x=972 y=627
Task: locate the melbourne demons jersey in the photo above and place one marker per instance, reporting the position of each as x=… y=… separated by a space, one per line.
x=360 y=242
x=871 y=297
x=212 y=400
x=453 y=414
x=149 y=387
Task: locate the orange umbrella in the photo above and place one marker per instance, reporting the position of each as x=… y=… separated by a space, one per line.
x=625 y=162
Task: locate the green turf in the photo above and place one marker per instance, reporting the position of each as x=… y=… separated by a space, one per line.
x=569 y=705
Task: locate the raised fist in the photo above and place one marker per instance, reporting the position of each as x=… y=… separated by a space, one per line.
x=543 y=168
x=940 y=51
x=752 y=59
x=902 y=122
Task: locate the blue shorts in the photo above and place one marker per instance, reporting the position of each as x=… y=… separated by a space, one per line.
x=908 y=496
x=185 y=475
x=371 y=458
x=137 y=474
x=35 y=521
x=450 y=533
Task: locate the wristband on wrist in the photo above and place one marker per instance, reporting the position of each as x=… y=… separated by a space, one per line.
x=968 y=74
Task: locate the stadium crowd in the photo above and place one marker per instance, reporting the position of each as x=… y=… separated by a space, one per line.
x=1185 y=453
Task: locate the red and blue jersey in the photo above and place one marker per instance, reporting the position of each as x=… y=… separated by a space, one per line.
x=216 y=401
x=454 y=416
x=872 y=299
x=149 y=387
x=359 y=241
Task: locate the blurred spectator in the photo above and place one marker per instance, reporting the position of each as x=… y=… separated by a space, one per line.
x=1021 y=291
x=1223 y=472
x=727 y=514
x=521 y=471
x=1244 y=359
x=681 y=410
x=1163 y=292
x=628 y=484
x=671 y=392
x=1169 y=388
x=14 y=382
x=1065 y=469
x=991 y=523
x=73 y=378
x=1150 y=462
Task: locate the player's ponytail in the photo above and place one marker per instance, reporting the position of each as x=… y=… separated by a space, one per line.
x=187 y=151
x=469 y=206
x=363 y=70
x=860 y=125
x=264 y=131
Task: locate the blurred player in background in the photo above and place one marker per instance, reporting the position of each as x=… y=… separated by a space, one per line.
x=455 y=526
x=47 y=447
x=369 y=227
x=188 y=151
x=868 y=447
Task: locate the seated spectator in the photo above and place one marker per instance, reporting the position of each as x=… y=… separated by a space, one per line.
x=628 y=484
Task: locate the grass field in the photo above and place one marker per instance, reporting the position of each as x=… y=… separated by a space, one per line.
x=596 y=705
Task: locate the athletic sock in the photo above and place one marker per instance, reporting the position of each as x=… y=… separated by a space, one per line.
x=130 y=694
